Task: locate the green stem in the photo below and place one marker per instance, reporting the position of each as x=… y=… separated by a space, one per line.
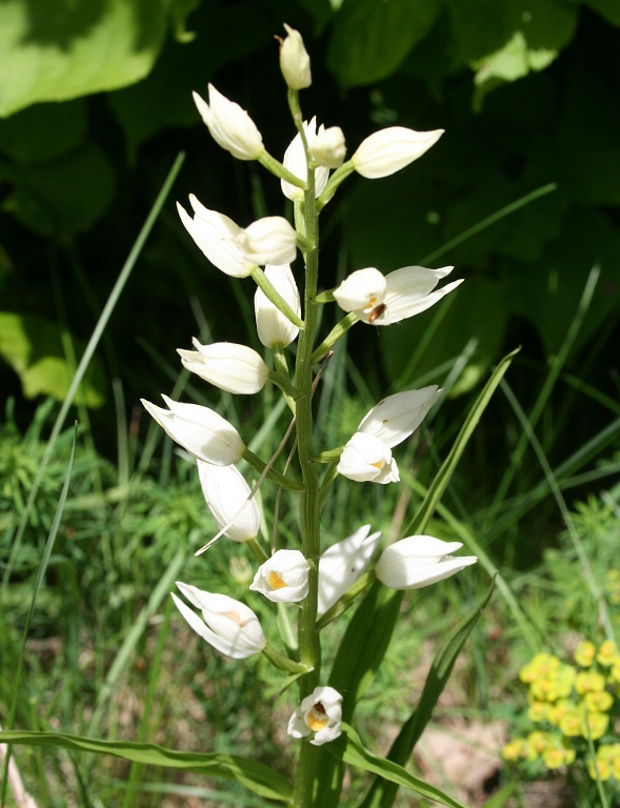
x=309 y=643
x=339 y=330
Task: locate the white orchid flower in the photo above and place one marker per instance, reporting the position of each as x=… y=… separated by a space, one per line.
x=231 y=367
x=329 y=147
x=342 y=564
x=294 y=60
x=388 y=150
x=295 y=162
x=383 y=300
x=274 y=328
x=230 y=126
x=367 y=455
x=283 y=578
x=320 y=714
x=199 y=430
x=419 y=561
x=228 y=498
x=228 y=625
x=215 y=234
x=270 y=240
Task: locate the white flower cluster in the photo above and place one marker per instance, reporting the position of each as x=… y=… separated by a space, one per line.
x=272 y=242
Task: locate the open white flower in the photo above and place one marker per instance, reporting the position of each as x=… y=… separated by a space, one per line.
x=283 y=578
x=418 y=561
x=231 y=367
x=295 y=161
x=228 y=498
x=270 y=240
x=342 y=564
x=367 y=455
x=274 y=328
x=294 y=60
x=388 y=150
x=230 y=126
x=199 y=430
x=320 y=714
x=383 y=300
x=227 y=624
x=215 y=234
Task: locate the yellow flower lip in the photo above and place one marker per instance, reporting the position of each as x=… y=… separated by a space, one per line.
x=275 y=580
x=316 y=717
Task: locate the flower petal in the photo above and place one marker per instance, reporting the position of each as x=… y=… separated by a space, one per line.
x=398 y=416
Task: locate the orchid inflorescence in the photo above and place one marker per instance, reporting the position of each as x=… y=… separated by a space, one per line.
x=311 y=171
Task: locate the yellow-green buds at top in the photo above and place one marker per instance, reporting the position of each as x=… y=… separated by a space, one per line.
x=342 y=564
x=418 y=561
x=215 y=234
x=328 y=148
x=383 y=300
x=199 y=430
x=295 y=162
x=320 y=715
x=274 y=328
x=294 y=60
x=387 y=151
x=230 y=126
x=228 y=498
x=270 y=240
x=228 y=625
x=231 y=367
x=283 y=578
x=367 y=456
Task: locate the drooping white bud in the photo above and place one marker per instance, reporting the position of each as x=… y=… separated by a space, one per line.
x=419 y=561
x=283 y=578
x=228 y=498
x=388 y=150
x=274 y=328
x=231 y=367
x=328 y=147
x=230 y=126
x=295 y=162
x=271 y=240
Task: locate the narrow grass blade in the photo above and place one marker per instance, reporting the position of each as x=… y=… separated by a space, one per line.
x=47 y=552
x=438 y=486
x=349 y=749
x=382 y=794
x=254 y=776
x=500 y=799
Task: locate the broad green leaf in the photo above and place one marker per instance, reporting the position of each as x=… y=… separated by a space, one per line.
x=610 y=9
x=254 y=776
x=381 y=794
x=349 y=749
x=32 y=346
x=56 y=51
x=25 y=136
x=63 y=196
x=370 y=39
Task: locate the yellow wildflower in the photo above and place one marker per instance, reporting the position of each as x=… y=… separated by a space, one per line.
x=607 y=652
x=585 y=654
x=514 y=749
x=603 y=767
x=538 y=711
x=598 y=702
x=589 y=682
x=594 y=725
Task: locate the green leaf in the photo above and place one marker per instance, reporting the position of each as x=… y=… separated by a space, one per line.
x=381 y=794
x=254 y=776
x=609 y=9
x=32 y=346
x=349 y=749
x=25 y=136
x=442 y=478
x=370 y=39
x=56 y=51
x=64 y=196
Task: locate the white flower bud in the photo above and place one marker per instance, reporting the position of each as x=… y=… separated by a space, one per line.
x=320 y=714
x=215 y=234
x=283 y=578
x=295 y=162
x=231 y=367
x=342 y=564
x=228 y=498
x=329 y=147
x=228 y=625
x=274 y=328
x=294 y=60
x=200 y=431
x=363 y=289
x=231 y=127
x=388 y=150
x=271 y=240
x=418 y=561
